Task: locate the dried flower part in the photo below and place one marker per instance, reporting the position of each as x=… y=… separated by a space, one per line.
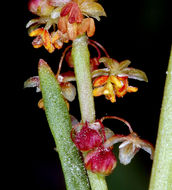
x=100 y=161
x=33 y=82
x=87 y=138
x=40 y=7
x=131 y=144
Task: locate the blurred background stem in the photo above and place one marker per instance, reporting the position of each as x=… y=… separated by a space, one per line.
x=81 y=58
x=161 y=177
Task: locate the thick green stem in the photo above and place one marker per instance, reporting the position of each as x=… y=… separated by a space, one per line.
x=81 y=58
x=60 y=125
x=161 y=177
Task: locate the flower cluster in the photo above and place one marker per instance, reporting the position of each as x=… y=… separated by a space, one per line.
x=97 y=141
x=64 y=79
x=112 y=81
x=63 y=20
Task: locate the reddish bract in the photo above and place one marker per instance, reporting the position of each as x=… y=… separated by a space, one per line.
x=101 y=161
x=87 y=139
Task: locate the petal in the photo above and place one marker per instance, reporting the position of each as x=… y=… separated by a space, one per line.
x=125 y=143
x=100 y=81
x=68 y=91
x=33 y=82
x=31 y=22
x=124 y=64
x=148 y=147
x=126 y=153
x=108 y=132
x=100 y=72
x=110 y=63
x=113 y=140
x=134 y=74
x=92 y=9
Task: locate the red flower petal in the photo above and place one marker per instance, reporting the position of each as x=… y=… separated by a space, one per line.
x=87 y=138
x=101 y=161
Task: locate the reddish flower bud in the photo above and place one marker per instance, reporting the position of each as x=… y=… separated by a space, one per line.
x=40 y=7
x=87 y=138
x=101 y=161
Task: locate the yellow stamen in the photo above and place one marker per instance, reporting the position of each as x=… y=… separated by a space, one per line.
x=116 y=81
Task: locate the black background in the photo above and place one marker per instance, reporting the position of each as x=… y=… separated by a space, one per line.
x=134 y=30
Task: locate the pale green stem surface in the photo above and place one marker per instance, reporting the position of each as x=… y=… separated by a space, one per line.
x=81 y=58
x=161 y=176
x=60 y=126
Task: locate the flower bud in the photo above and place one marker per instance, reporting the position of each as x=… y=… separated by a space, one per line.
x=40 y=7
x=87 y=138
x=101 y=161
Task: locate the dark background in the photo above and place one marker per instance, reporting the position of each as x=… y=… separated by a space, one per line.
x=134 y=30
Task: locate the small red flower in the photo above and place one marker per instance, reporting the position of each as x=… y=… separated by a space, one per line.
x=89 y=136
x=101 y=161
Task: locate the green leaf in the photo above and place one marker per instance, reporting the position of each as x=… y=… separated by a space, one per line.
x=60 y=126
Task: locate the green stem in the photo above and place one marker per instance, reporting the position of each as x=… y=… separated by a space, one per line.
x=161 y=177
x=60 y=125
x=81 y=58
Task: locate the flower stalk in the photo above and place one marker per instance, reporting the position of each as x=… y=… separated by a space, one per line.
x=161 y=176
x=81 y=59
